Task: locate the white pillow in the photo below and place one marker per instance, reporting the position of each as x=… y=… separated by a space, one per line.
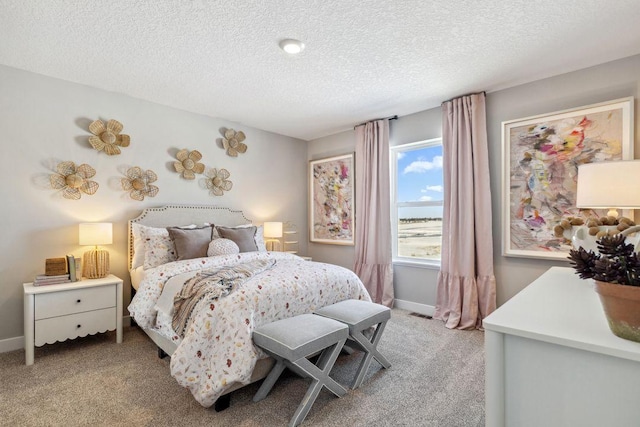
x=158 y=247
x=138 y=246
x=222 y=247
x=154 y=241
x=259 y=238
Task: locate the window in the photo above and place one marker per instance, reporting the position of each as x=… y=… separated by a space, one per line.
x=416 y=202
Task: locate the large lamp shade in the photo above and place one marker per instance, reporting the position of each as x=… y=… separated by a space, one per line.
x=609 y=185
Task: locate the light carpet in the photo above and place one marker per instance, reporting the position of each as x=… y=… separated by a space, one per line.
x=436 y=379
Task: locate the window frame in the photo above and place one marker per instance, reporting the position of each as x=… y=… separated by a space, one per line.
x=395 y=205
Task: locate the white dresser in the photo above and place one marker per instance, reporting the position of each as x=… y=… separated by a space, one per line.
x=551 y=359
x=70 y=310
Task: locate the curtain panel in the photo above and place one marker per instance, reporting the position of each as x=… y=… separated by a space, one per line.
x=373 y=261
x=466 y=288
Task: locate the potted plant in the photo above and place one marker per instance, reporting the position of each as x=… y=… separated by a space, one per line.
x=616 y=271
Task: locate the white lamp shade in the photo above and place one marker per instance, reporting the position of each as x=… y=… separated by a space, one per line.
x=606 y=185
x=95 y=233
x=273 y=229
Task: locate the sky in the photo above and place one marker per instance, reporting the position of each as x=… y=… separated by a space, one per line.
x=420 y=179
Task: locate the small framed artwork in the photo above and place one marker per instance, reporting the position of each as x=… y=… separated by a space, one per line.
x=331 y=205
x=540 y=156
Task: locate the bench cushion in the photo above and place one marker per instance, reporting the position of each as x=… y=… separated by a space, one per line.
x=299 y=336
x=357 y=314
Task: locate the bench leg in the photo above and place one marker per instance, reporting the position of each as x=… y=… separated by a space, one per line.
x=320 y=377
x=371 y=352
x=269 y=382
x=320 y=372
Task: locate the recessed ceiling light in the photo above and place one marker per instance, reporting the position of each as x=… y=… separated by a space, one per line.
x=291 y=46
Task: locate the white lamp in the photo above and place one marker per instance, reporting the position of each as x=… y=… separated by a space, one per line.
x=609 y=185
x=273 y=232
x=95 y=262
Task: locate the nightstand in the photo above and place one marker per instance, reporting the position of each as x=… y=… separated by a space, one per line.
x=71 y=310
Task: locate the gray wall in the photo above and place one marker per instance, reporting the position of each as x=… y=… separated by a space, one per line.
x=618 y=79
x=606 y=82
x=44 y=120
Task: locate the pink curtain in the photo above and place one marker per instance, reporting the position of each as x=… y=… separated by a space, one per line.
x=466 y=291
x=373 y=212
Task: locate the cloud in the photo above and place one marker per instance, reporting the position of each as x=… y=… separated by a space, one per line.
x=425 y=199
x=401 y=155
x=436 y=188
x=421 y=166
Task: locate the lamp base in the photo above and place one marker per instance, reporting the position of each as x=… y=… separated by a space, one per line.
x=95 y=264
x=273 y=245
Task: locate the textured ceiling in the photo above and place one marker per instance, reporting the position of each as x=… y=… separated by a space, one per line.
x=364 y=59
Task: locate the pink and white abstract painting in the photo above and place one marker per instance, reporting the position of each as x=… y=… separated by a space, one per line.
x=331 y=216
x=541 y=168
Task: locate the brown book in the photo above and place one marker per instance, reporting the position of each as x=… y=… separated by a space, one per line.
x=55 y=266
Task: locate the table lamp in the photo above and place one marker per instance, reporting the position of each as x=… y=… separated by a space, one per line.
x=95 y=262
x=272 y=232
x=609 y=185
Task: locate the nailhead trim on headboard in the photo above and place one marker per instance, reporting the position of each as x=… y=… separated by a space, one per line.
x=171 y=215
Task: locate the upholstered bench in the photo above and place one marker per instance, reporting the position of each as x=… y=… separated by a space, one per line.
x=290 y=341
x=360 y=316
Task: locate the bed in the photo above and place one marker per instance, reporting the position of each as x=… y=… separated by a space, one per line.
x=213 y=354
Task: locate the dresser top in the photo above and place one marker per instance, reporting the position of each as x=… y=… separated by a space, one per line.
x=84 y=283
x=561 y=308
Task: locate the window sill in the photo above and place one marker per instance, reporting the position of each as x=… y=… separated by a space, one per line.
x=431 y=265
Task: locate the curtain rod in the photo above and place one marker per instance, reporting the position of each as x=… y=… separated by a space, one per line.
x=390 y=118
x=466 y=94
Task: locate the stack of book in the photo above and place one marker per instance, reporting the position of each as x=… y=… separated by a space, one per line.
x=58 y=270
x=43 y=279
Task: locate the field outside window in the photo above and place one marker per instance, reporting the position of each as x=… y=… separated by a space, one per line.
x=417 y=201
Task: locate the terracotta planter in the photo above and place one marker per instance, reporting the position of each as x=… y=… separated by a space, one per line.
x=621 y=305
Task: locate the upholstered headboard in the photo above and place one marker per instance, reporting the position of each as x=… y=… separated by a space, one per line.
x=175 y=215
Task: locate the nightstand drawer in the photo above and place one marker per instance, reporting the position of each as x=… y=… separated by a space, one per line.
x=48 y=331
x=74 y=301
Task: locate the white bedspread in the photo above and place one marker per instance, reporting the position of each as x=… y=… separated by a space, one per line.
x=217 y=350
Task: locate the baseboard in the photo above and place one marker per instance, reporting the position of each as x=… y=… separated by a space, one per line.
x=11 y=344
x=415 y=307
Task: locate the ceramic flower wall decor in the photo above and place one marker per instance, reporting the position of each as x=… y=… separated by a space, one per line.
x=74 y=180
x=108 y=138
x=138 y=183
x=187 y=164
x=232 y=142
x=217 y=181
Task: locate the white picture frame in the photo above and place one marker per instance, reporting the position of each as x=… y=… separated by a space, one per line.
x=331 y=200
x=539 y=177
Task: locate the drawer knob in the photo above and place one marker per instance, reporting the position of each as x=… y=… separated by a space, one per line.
x=79 y=301
x=79 y=326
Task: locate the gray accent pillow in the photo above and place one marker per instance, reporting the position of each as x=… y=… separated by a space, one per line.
x=243 y=237
x=190 y=243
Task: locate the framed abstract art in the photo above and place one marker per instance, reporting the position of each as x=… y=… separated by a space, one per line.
x=331 y=205
x=540 y=156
